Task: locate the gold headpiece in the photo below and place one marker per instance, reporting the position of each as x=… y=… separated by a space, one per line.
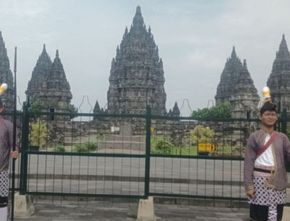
x=266 y=97
x=3 y=88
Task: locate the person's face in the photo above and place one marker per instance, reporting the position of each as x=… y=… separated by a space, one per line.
x=269 y=118
x=1 y=109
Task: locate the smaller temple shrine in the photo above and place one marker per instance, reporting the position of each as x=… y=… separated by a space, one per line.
x=244 y=99
x=175 y=112
x=237 y=87
x=48 y=87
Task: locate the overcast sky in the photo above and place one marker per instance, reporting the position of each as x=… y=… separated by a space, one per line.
x=195 y=37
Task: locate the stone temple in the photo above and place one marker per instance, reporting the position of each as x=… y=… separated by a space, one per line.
x=48 y=86
x=6 y=76
x=137 y=76
x=279 y=79
x=237 y=87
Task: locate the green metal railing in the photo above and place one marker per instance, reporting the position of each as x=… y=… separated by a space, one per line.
x=131 y=156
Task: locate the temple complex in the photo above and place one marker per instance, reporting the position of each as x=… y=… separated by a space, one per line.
x=6 y=76
x=279 y=79
x=137 y=79
x=137 y=76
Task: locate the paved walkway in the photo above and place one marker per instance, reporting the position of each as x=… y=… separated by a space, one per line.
x=120 y=210
x=105 y=211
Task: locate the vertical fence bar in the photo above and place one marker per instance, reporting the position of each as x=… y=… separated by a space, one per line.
x=284 y=121
x=148 y=149
x=24 y=148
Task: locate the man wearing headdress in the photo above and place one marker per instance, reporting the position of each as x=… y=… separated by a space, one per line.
x=265 y=175
x=6 y=142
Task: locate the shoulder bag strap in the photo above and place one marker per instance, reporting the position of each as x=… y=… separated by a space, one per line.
x=264 y=147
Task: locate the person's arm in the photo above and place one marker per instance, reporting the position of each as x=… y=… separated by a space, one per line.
x=13 y=153
x=286 y=145
x=250 y=157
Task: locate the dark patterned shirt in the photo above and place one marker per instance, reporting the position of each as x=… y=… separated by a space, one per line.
x=6 y=142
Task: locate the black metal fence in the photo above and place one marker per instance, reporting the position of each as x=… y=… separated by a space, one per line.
x=132 y=156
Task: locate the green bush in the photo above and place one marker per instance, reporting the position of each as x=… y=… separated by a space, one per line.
x=59 y=148
x=85 y=147
x=162 y=146
x=202 y=134
x=227 y=149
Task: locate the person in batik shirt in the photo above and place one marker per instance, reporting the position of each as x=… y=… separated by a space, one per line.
x=6 y=142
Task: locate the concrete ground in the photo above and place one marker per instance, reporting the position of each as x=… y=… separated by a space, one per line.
x=105 y=210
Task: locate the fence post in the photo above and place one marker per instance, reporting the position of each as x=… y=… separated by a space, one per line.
x=24 y=148
x=147 y=152
x=284 y=121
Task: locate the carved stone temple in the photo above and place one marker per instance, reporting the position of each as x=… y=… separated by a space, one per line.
x=6 y=76
x=237 y=87
x=137 y=76
x=48 y=85
x=279 y=79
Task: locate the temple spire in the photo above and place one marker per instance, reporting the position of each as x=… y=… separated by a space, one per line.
x=44 y=57
x=57 y=81
x=39 y=75
x=283 y=52
x=138 y=10
x=245 y=64
x=1 y=38
x=57 y=54
x=57 y=69
x=57 y=64
x=233 y=55
x=138 y=18
x=175 y=111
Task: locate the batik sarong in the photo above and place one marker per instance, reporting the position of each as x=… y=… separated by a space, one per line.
x=267 y=205
x=4 y=188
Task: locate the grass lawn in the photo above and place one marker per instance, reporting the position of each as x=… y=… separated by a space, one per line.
x=181 y=151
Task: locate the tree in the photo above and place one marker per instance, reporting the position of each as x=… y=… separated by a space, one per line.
x=39 y=133
x=220 y=111
x=36 y=107
x=72 y=110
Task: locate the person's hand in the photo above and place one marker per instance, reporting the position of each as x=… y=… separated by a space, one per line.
x=251 y=193
x=14 y=154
